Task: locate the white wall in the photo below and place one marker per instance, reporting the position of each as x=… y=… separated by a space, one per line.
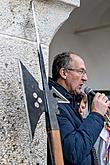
x=94 y=46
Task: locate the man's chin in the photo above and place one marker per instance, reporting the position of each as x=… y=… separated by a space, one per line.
x=77 y=92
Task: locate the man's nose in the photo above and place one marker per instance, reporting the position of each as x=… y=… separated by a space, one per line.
x=84 y=77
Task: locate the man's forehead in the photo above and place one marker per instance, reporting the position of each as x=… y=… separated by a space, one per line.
x=77 y=60
x=76 y=57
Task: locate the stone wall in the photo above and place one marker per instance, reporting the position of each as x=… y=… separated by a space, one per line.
x=18 y=42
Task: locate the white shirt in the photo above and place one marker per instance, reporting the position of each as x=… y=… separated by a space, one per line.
x=103 y=150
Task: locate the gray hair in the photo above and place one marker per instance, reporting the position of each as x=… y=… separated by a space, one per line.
x=60 y=61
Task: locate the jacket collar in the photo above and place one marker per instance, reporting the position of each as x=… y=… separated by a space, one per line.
x=73 y=99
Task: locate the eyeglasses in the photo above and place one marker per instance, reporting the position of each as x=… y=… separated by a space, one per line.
x=80 y=71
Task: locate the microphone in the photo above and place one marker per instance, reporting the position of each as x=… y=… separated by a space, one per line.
x=89 y=91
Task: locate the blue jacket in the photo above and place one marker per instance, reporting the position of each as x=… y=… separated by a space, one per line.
x=78 y=136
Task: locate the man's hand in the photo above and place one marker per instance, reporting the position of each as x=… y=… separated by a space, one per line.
x=100 y=103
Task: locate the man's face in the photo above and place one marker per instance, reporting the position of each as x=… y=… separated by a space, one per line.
x=75 y=75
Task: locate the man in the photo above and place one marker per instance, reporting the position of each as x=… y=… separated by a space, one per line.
x=103 y=143
x=77 y=135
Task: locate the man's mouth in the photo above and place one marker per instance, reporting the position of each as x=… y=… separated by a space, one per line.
x=80 y=86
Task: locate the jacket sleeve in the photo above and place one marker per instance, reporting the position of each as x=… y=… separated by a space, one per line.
x=77 y=142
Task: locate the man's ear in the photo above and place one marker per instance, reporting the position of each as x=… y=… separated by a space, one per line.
x=63 y=73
